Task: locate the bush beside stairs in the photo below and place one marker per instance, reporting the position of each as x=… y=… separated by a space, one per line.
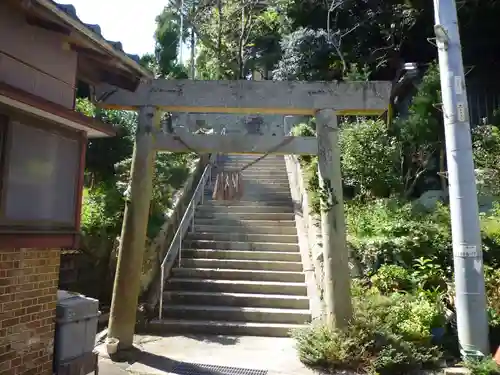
x=241 y=271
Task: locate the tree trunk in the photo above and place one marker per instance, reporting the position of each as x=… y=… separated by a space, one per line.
x=240 y=42
x=219 y=39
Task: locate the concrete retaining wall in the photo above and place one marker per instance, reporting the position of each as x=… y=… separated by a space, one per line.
x=309 y=233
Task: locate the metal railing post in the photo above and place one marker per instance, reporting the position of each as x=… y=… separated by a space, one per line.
x=180 y=250
x=162 y=286
x=192 y=216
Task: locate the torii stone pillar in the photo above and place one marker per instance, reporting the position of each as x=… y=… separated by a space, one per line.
x=239 y=97
x=127 y=283
x=337 y=284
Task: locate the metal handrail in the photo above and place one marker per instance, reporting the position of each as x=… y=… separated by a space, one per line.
x=187 y=222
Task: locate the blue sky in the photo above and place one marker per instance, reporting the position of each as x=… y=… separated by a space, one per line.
x=129 y=22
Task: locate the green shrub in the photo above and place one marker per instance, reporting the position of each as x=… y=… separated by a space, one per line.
x=387 y=231
x=303 y=130
x=486 y=148
x=170 y=172
x=312 y=180
x=429 y=274
x=485 y=366
x=492 y=282
x=490 y=233
x=370 y=158
x=392 y=278
x=102 y=210
x=309 y=164
x=388 y=335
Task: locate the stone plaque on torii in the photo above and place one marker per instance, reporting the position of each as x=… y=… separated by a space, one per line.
x=324 y=100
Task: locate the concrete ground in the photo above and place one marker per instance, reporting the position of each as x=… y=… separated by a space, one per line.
x=157 y=355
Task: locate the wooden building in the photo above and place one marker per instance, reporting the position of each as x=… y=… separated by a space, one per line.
x=45 y=52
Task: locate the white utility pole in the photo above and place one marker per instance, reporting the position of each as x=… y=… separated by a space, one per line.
x=470 y=297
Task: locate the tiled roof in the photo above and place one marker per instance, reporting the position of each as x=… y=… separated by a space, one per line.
x=70 y=10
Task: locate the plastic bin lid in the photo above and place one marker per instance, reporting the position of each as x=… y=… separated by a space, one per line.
x=65 y=294
x=75 y=306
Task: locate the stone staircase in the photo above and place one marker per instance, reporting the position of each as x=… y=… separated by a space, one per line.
x=241 y=271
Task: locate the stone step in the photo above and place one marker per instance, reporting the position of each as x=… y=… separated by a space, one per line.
x=239 y=264
x=279 y=199
x=251 y=183
x=246 y=202
x=255 y=167
x=279 y=171
x=250 y=203
x=278 y=256
x=285 y=200
x=204 y=228
x=243 y=161
x=238 y=166
x=237 y=314
x=262 y=194
x=279 y=238
x=237 y=286
x=250 y=158
x=261 y=189
x=238 y=210
x=254 y=156
x=222 y=328
x=223 y=274
x=265 y=175
x=230 y=214
x=245 y=223
x=276 y=168
x=240 y=245
x=264 y=182
x=236 y=299
x=249 y=187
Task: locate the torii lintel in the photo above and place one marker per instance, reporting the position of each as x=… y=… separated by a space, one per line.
x=259 y=97
x=245 y=97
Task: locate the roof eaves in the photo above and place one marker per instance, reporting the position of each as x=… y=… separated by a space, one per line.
x=68 y=13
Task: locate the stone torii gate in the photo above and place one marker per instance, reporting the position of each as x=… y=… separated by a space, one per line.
x=324 y=100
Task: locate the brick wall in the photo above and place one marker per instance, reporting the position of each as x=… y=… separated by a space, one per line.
x=28 y=295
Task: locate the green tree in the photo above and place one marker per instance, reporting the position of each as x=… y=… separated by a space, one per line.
x=242 y=37
x=308 y=55
x=368 y=32
x=370 y=159
x=164 y=62
x=103 y=153
x=421 y=134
